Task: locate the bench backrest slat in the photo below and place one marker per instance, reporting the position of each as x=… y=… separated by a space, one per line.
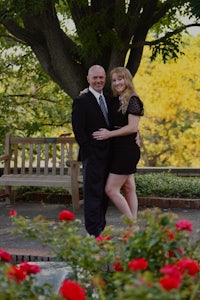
x=38 y=159
x=54 y=160
x=46 y=162
x=15 y=159
x=30 y=169
x=23 y=159
x=62 y=159
x=7 y=152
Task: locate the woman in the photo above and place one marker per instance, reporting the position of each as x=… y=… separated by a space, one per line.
x=125 y=153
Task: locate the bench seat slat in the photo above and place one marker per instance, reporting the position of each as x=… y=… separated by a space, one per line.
x=36 y=180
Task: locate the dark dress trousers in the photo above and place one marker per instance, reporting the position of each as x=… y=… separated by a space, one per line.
x=87 y=117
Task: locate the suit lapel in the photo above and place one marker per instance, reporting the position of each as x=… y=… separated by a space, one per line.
x=94 y=102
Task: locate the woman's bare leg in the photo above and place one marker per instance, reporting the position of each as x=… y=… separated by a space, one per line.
x=112 y=189
x=129 y=189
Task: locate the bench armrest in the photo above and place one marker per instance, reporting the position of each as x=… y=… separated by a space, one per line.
x=72 y=163
x=4 y=157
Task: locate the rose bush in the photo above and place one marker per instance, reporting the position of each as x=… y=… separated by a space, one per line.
x=158 y=260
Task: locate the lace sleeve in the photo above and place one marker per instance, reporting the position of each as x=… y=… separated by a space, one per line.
x=135 y=106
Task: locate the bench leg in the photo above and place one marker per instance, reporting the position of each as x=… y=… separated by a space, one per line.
x=4 y=199
x=9 y=194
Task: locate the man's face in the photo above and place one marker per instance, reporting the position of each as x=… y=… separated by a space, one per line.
x=96 y=78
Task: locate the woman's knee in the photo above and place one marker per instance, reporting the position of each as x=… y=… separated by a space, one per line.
x=114 y=184
x=110 y=191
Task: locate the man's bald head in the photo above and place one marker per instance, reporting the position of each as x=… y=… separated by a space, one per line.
x=96 y=77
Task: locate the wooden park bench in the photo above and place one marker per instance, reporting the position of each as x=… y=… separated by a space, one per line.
x=41 y=162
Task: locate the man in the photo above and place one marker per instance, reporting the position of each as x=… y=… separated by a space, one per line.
x=87 y=117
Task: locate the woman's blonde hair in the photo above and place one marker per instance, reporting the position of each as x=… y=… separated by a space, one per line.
x=129 y=87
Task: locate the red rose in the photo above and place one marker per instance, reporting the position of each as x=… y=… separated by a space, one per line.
x=102 y=238
x=138 y=264
x=184 y=225
x=171 y=271
x=117 y=265
x=30 y=268
x=66 y=215
x=16 y=274
x=5 y=256
x=188 y=265
x=169 y=282
x=171 y=236
x=172 y=253
x=12 y=213
x=71 y=290
x=127 y=235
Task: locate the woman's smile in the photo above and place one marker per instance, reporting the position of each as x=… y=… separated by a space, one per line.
x=118 y=83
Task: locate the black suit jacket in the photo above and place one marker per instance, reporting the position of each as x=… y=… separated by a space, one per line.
x=87 y=117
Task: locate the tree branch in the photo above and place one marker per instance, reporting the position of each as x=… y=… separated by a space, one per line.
x=163 y=38
x=168 y=35
x=30 y=96
x=13 y=38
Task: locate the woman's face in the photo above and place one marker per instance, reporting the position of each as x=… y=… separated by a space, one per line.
x=118 y=83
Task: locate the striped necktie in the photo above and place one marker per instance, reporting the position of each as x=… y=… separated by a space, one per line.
x=103 y=108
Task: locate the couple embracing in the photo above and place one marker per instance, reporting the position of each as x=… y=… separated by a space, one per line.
x=106 y=130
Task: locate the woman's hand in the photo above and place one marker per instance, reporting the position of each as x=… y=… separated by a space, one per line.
x=137 y=139
x=83 y=91
x=102 y=134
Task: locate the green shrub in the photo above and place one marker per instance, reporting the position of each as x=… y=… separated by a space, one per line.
x=167 y=185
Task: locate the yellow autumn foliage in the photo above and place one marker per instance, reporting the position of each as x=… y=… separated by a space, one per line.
x=170 y=128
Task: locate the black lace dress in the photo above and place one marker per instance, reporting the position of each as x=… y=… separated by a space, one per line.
x=125 y=153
